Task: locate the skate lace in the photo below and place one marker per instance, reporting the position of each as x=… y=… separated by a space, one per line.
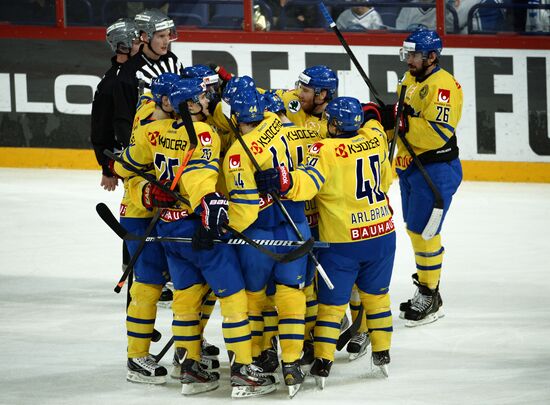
x=254 y=370
x=359 y=338
x=420 y=302
x=147 y=362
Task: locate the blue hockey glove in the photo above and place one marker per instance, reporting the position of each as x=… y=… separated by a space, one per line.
x=277 y=181
x=214 y=213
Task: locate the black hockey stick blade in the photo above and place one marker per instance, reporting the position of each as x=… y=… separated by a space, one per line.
x=107 y=216
x=351 y=331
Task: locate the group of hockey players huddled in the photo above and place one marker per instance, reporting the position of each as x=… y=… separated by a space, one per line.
x=229 y=159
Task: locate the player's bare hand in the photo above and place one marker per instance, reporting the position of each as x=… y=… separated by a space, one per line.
x=109 y=183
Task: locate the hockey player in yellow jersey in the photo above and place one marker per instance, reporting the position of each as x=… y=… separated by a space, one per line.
x=432 y=112
x=151 y=268
x=191 y=268
x=344 y=173
x=305 y=104
x=258 y=217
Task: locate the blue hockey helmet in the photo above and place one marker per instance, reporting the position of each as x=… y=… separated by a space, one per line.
x=345 y=113
x=184 y=90
x=237 y=84
x=273 y=102
x=248 y=106
x=319 y=78
x=202 y=71
x=161 y=85
x=421 y=40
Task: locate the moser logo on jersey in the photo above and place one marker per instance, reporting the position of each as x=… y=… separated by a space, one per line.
x=444 y=96
x=372 y=231
x=206 y=138
x=234 y=161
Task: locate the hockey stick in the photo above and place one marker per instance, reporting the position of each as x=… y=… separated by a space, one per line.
x=398 y=114
x=345 y=336
x=192 y=145
x=226 y=109
x=350 y=53
x=303 y=247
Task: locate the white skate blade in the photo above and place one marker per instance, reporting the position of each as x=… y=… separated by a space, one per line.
x=385 y=370
x=175 y=372
x=355 y=356
x=164 y=304
x=402 y=315
x=429 y=319
x=293 y=390
x=247 y=391
x=197 y=388
x=136 y=377
x=320 y=381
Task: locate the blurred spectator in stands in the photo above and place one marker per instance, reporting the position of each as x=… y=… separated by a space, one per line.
x=297 y=16
x=483 y=19
x=359 y=18
x=411 y=18
x=261 y=23
x=538 y=20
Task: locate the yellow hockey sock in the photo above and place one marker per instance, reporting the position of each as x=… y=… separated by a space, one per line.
x=355 y=307
x=327 y=330
x=140 y=319
x=186 y=324
x=236 y=327
x=379 y=319
x=256 y=302
x=291 y=305
x=207 y=308
x=429 y=259
x=271 y=320
x=311 y=311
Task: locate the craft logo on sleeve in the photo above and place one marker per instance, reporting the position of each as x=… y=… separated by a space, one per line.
x=206 y=138
x=444 y=96
x=234 y=161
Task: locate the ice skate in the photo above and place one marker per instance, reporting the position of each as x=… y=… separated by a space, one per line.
x=145 y=370
x=320 y=370
x=248 y=381
x=358 y=345
x=209 y=356
x=194 y=379
x=293 y=376
x=425 y=307
x=382 y=360
x=206 y=363
x=268 y=361
x=406 y=306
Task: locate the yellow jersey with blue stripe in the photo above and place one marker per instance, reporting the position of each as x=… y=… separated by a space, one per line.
x=162 y=145
x=272 y=143
x=436 y=108
x=347 y=177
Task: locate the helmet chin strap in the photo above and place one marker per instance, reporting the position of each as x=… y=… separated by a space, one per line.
x=151 y=48
x=201 y=112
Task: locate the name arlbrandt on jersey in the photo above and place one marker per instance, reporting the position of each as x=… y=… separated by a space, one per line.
x=368 y=216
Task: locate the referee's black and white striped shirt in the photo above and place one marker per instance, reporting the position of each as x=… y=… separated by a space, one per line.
x=126 y=94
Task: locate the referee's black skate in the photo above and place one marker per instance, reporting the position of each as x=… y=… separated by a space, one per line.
x=248 y=380
x=381 y=359
x=146 y=370
x=358 y=345
x=320 y=370
x=293 y=376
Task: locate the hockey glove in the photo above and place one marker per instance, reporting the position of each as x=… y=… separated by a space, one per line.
x=371 y=111
x=154 y=196
x=214 y=213
x=202 y=239
x=389 y=114
x=277 y=181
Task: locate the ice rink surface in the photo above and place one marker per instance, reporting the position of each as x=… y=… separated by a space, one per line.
x=62 y=333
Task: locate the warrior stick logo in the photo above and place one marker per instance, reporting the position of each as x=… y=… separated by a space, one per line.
x=294 y=106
